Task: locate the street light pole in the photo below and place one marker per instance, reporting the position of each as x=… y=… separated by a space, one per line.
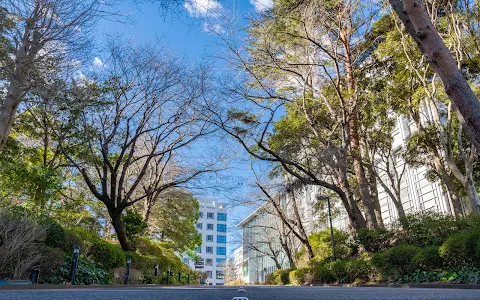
x=319 y=197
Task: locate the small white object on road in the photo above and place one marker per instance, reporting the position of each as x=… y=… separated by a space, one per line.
x=241 y=290
x=240 y=298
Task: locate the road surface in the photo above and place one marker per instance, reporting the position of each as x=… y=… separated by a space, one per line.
x=253 y=293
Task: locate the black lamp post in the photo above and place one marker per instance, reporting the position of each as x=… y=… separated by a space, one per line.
x=319 y=197
x=127 y=271
x=76 y=252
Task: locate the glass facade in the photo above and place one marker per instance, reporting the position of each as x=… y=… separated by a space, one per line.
x=221 y=250
x=221 y=239
x=221 y=227
x=221 y=216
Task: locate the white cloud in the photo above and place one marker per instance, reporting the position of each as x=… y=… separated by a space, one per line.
x=203 y=8
x=97 y=62
x=262 y=5
x=213 y=28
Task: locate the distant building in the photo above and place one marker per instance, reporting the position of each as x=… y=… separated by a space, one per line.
x=238 y=262
x=212 y=224
x=260 y=245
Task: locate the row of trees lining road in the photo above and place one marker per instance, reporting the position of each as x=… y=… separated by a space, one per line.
x=325 y=83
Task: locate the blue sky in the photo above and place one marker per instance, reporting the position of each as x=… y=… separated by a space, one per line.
x=188 y=33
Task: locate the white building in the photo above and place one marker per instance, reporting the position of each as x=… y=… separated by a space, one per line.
x=261 y=249
x=212 y=224
x=238 y=262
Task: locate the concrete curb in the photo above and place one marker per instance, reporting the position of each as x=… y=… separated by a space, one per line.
x=87 y=287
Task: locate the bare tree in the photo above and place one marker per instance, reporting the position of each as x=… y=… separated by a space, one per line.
x=46 y=34
x=150 y=113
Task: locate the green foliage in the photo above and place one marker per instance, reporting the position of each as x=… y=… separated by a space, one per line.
x=323 y=274
x=375 y=240
x=88 y=272
x=301 y=276
x=79 y=237
x=106 y=254
x=460 y=250
x=339 y=270
x=398 y=260
x=322 y=244
x=280 y=276
x=426 y=229
x=427 y=259
x=173 y=219
x=56 y=236
x=134 y=223
x=50 y=264
x=358 y=270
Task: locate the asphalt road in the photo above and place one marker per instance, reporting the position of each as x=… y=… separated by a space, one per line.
x=253 y=293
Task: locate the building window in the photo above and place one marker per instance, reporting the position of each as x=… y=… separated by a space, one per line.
x=221 y=216
x=198 y=250
x=219 y=275
x=210 y=215
x=209 y=238
x=221 y=227
x=209 y=226
x=200 y=214
x=221 y=239
x=221 y=250
x=199 y=226
x=221 y=262
x=186 y=260
x=209 y=262
x=209 y=250
x=209 y=274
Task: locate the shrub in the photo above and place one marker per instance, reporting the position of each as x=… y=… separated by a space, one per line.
x=106 y=254
x=79 y=237
x=427 y=259
x=358 y=270
x=280 y=276
x=375 y=240
x=301 y=276
x=50 y=263
x=55 y=234
x=427 y=229
x=459 y=250
x=20 y=240
x=323 y=274
x=134 y=277
x=398 y=259
x=88 y=272
x=322 y=244
x=339 y=270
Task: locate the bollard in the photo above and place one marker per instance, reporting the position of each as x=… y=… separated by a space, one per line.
x=188 y=278
x=179 y=277
x=127 y=271
x=76 y=252
x=168 y=277
x=35 y=274
x=156 y=270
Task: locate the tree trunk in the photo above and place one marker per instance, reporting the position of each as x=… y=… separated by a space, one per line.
x=354 y=139
x=357 y=221
x=398 y=204
x=453 y=193
x=372 y=179
x=419 y=25
x=117 y=223
x=472 y=195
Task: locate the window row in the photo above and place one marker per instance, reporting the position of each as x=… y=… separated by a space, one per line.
x=221 y=239
x=209 y=250
x=211 y=215
x=218 y=275
x=220 y=227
